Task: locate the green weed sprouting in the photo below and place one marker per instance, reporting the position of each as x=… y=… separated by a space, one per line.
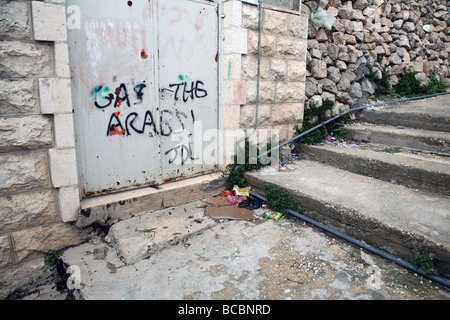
x=390 y=150
x=425 y=262
x=408 y=85
x=235 y=171
x=315 y=115
x=279 y=199
x=51 y=256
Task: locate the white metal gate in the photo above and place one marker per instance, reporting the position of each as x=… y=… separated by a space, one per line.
x=144 y=90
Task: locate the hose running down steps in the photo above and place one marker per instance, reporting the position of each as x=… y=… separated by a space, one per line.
x=363 y=245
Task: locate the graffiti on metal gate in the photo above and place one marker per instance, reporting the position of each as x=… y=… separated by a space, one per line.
x=127 y=117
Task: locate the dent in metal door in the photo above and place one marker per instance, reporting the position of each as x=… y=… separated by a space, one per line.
x=188 y=79
x=112 y=60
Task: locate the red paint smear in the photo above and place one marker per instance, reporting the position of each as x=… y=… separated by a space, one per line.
x=113 y=130
x=117 y=113
x=144 y=54
x=119 y=102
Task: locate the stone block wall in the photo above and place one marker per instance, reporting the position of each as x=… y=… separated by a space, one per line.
x=282 y=68
x=381 y=34
x=38 y=179
x=39 y=196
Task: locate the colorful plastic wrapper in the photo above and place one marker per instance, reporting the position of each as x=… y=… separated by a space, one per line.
x=242 y=191
x=273 y=215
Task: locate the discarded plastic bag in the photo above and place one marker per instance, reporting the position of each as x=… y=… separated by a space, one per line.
x=273 y=215
x=331 y=138
x=251 y=203
x=241 y=191
x=322 y=18
x=234 y=200
x=259 y=212
x=226 y=193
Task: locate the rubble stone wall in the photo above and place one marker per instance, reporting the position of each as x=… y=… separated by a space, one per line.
x=378 y=34
x=38 y=180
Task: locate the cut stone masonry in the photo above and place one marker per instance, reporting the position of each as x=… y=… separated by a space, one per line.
x=39 y=185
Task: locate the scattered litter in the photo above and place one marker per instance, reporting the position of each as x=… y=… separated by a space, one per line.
x=299 y=282
x=100 y=253
x=331 y=138
x=226 y=193
x=322 y=18
x=221 y=208
x=268 y=171
x=234 y=199
x=231 y=199
x=241 y=191
x=270 y=214
x=232 y=206
x=149 y=230
x=112 y=267
x=287 y=153
x=260 y=211
x=292 y=146
x=251 y=203
x=352 y=145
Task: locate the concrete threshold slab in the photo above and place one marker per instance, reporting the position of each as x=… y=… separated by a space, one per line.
x=421 y=171
x=388 y=216
x=140 y=237
x=108 y=209
x=414 y=139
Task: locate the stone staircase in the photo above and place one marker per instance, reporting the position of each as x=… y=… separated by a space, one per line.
x=388 y=185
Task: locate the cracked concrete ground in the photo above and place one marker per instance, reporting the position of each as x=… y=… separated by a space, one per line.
x=258 y=259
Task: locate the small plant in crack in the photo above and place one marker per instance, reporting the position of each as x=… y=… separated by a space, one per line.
x=279 y=199
x=425 y=262
x=51 y=257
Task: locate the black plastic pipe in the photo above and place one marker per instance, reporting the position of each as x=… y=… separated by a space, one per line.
x=363 y=245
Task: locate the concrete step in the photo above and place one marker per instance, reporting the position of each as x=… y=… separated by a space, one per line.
x=428 y=114
x=388 y=216
x=416 y=170
x=414 y=139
